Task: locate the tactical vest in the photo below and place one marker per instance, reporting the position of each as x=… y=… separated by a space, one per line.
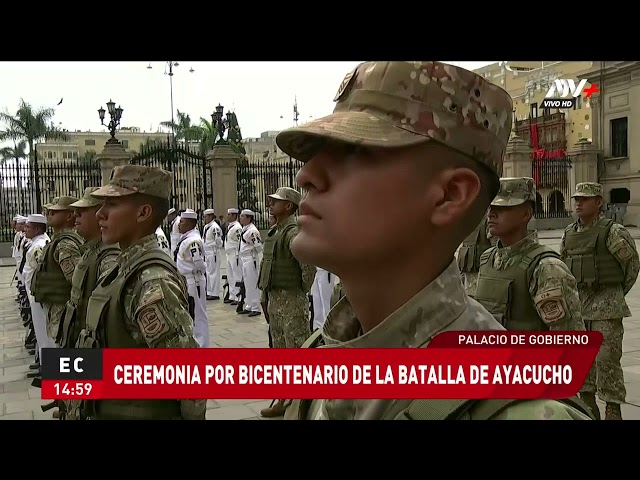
x=432 y=409
x=49 y=283
x=472 y=248
x=104 y=328
x=589 y=259
x=505 y=293
x=279 y=269
x=84 y=280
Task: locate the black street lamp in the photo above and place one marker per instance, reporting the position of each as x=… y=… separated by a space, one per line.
x=220 y=124
x=114 y=123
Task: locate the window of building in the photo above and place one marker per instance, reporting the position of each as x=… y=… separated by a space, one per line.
x=89 y=142
x=534 y=110
x=125 y=143
x=619 y=137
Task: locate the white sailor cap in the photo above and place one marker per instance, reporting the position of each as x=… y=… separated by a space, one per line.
x=21 y=219
x=247 y=212
x=171 y=210
x=37 y=218
x=189 y=214
x=232 y=210
x=209 y=211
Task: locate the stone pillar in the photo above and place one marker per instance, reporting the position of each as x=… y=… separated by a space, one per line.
x=596 y=104
x=584 y=158
x=517 y=158
x=113 y=155
x=223 y=160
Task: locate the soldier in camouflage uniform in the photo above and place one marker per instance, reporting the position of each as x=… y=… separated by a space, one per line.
x=524 y=284
x=142 y=302
x=284 y=282
x=469 y=254
x=52 y=282
x=602 y=256
x=422 y=134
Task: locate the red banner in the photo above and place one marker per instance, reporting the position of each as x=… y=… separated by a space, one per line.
x=456 y=365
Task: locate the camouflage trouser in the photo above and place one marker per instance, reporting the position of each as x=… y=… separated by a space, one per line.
x=289 y=318
x=469 y=280
x=606 y=376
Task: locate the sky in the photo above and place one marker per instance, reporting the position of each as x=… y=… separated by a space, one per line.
x=261 y=93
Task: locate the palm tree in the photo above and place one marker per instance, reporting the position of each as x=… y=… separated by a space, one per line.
x=30 y=125
x=88 y=158
x=17 y=153
x=183 y=129
x=209 y=134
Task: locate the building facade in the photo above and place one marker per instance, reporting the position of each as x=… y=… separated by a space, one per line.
x=614 y=109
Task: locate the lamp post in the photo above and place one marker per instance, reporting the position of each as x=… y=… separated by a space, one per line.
x=220 y=123
x=114 y=123
x=169 y=66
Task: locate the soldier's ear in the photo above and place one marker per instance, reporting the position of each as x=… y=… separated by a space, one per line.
x=145 y=212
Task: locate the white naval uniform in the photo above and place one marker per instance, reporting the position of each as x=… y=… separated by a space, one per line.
x=321 y=292
x=190 y=262
x=213 y=255
x=17 y=252
x=31 y=265
x=163 y=243
x=234 y=269
x=250 y=257
x=175 y=233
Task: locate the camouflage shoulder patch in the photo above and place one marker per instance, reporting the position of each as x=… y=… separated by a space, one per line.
x=152 y=324
x=67 y=266
x=551 y=305
x=346 y=85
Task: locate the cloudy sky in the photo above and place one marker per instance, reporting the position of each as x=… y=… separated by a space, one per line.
x=261 y=93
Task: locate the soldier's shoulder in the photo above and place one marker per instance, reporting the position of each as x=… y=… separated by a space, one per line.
x=156 y=271
x=70 y=241
x=541 y=410
x=552 y=265
x=619 y=230
x=475 y=317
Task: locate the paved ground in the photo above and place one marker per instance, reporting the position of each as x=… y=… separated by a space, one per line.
x=19 y=401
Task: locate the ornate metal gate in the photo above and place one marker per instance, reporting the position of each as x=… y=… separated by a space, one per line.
x=192 y=176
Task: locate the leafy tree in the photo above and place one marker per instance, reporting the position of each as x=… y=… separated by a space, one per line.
x=246 y=178
x=184 y=130
x=30 y=125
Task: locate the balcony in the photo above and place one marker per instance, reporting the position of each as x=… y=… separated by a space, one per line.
x=551 y=131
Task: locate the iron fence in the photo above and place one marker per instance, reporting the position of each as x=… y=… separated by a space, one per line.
x=259 y=178
x=552 y=176
x=24 y=188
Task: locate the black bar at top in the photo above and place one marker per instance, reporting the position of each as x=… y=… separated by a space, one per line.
x=71 y=364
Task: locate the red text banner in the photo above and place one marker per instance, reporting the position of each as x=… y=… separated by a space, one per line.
x=455 y=365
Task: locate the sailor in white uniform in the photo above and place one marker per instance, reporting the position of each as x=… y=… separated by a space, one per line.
x=250 y=253
x=174 y=222
x=163 y=243
x=190 y=260
x=231 y=247
x=212 y=237
x=321 y=292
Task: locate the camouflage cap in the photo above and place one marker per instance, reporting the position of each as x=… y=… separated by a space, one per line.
x=399 y=104
x=588 y=189
x=287 y=194
x=52 y=202
x=62 y=203
x=87 y=200
x=515 y=191
x=130 y=179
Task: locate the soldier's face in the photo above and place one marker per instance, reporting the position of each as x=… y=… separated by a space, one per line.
x=186 y=224
x=118 y=219
x=348 y=191
x=278 y=208
x=209 y=218
x=587 y=207
x=504 y=220
x=87 y=222
x=30 y=230
x=57 y=218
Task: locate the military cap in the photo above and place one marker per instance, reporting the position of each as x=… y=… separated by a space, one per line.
x=588 y=189
x=87 y=200
x=130 y=179
x=209 y=211
x=247 y=212
x=21 y=220
x=399 y=104
x=52 y=202
x=62 y=203
x=233 y=210
x=515 y=191
x=287 y=194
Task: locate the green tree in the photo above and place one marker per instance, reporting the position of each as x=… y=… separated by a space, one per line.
x=246 y=178
x=30 y=124
x=15 y=154
x=184 y=130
